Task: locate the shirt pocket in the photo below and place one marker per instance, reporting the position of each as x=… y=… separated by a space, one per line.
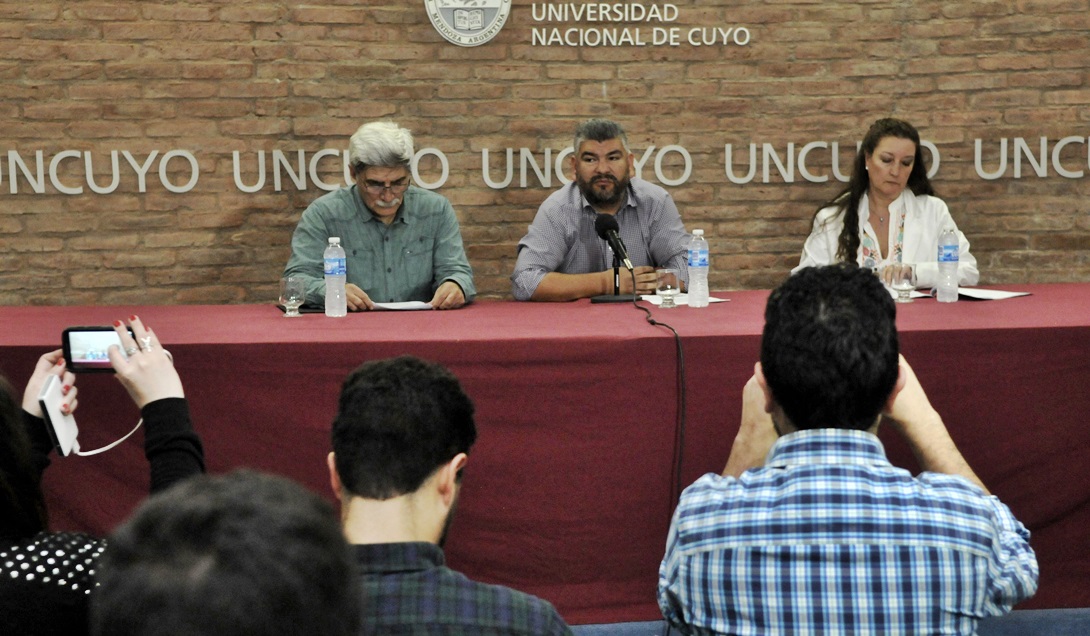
x=418 y=254
x=362 y=263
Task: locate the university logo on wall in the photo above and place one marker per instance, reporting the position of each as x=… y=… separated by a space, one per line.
x=468 y=22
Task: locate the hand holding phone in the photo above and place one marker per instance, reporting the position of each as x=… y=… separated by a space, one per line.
x=51 y=363
x=148 y=374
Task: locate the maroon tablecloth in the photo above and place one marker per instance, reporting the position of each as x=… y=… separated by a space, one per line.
x=568 y=492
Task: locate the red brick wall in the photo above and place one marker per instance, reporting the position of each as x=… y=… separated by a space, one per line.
x=212 y=78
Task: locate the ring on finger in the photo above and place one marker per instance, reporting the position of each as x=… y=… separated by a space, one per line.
x=169 y=357
x=130 y=351
x=145 y=343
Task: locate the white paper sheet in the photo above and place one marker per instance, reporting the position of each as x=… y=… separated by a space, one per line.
x=680 y=299
x=408 y=305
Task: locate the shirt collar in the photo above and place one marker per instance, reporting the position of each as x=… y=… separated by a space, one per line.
x=826 y=446
x=415 y=556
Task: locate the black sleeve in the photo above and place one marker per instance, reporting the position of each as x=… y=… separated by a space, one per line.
x=171 y=445
x=40 y=444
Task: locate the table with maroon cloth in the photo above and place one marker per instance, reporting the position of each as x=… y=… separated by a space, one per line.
x=568 y=492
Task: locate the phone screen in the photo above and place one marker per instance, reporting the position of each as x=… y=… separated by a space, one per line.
x=86 y=348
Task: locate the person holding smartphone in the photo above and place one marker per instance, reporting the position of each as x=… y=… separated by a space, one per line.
x=45 y=577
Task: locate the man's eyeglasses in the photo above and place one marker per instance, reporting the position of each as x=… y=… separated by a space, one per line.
x=377 y=187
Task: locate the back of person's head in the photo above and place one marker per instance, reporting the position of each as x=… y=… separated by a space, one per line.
x=22 y=507
x=829 y=351
x=243 y=554
x=599 y=130
x=381 y=144
x=398 y=421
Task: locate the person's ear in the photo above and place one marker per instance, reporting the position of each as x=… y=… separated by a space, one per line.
x=897 y=386
x=334 y=477
x=449 y=478
x=758 y=373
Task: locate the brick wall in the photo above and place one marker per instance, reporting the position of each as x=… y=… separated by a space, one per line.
x=213 y=78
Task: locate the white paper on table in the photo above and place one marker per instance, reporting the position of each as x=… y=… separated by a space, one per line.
x=680 y=299
x=408 y=305
x=988 y=294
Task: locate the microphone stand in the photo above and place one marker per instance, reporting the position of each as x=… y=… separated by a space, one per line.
x=616 y=297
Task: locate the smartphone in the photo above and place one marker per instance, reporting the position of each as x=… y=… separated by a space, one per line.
x=85 y=348
x=61 y=426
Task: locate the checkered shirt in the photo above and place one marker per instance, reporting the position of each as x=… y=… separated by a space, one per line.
x=829 y=538
x=408 y=590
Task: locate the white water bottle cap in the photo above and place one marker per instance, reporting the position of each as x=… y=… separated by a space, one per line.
x=698 y=232
x=334 y=240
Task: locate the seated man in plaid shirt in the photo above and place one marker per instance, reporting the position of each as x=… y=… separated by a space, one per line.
x=401 y=439
x=810 y=529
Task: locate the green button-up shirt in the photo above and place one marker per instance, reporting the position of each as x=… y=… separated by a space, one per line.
x=406 y=260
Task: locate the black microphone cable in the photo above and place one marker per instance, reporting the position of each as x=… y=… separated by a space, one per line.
x=679 y=428
x=607 y=228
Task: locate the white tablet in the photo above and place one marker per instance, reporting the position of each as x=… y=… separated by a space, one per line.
x=61 y=426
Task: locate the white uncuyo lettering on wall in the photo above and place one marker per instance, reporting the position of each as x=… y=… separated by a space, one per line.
x=79 y=172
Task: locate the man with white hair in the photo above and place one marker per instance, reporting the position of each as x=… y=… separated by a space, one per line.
x=401 y=242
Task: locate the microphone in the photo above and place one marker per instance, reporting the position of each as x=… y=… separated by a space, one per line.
x=606 y=226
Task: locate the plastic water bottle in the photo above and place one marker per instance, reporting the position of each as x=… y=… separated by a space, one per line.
x=336 y=302
x=698 y=270
x=948 y=266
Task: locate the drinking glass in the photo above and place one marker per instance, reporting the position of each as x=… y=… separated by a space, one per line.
x=667 y=287
x=903 y=282
x=293 y=293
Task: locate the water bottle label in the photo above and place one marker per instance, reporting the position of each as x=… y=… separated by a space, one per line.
x=948 y=253
x=335 y=267
x=698 y=258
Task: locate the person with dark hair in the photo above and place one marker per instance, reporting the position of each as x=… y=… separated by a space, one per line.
x=242 y=554
x=402 y=242
x=562 y=257
x=401 y=439
x=45 y=577
x=810 y=528
x=889 y=214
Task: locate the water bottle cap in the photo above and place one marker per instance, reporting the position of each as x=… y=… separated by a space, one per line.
x=698 y=232
x=334 y=240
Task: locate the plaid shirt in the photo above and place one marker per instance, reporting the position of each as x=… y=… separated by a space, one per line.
x=829 y=538
x=408 y=590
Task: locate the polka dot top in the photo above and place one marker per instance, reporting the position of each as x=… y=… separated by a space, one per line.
x=45 y=582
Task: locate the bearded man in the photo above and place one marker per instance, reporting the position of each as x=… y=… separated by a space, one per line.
x=563 y=258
